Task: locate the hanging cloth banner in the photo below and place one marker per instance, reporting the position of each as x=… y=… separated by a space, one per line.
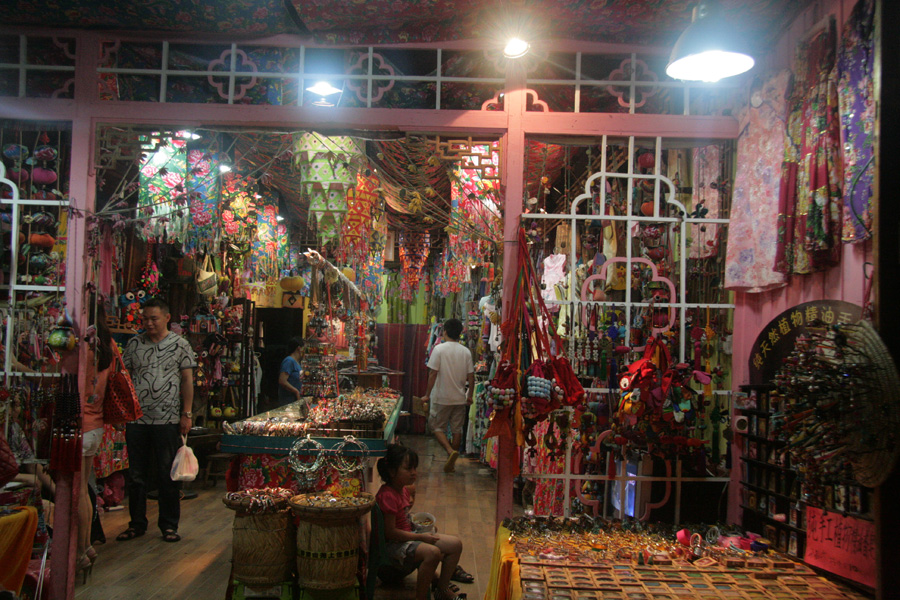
x=327 y=172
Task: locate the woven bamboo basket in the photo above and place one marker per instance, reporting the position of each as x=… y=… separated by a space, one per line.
x=263 y=547
x=328 y=541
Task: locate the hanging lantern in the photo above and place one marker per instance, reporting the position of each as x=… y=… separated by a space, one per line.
x=326 y=175
x=414 y=250
x=358 y=224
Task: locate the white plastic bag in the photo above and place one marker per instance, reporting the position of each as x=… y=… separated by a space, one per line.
x=184 y=467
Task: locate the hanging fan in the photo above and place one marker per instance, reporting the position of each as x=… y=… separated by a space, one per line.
x=842 y=417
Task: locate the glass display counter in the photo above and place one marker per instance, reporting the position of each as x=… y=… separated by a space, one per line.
x=370 y=416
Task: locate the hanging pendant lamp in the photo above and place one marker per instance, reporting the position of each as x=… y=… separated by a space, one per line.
x=708 y=50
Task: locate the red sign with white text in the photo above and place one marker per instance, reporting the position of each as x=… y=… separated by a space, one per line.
x=841 y=545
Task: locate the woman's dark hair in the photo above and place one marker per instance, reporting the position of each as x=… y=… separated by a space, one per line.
x=294 y=343
x=104 y=337
x=395 y=456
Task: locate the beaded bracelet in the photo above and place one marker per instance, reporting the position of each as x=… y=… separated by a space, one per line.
x=339 y=461
x=306 y=470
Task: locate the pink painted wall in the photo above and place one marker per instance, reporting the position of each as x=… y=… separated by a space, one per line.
x=846 y=282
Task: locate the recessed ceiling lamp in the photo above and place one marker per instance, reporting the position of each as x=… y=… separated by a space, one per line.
x=516 y=48
x=708 y=50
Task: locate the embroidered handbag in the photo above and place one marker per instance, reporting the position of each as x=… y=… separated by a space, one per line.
x=207 y=280
x=120 y=404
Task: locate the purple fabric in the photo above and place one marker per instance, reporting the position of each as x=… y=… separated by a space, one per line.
x=856 y=62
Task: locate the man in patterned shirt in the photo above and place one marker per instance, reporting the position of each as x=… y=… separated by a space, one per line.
x=161 y=364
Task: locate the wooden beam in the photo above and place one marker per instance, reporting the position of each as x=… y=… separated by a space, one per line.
x=666 y=126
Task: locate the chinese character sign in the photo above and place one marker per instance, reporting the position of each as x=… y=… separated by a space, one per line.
x=775 y=341
x=841 y=545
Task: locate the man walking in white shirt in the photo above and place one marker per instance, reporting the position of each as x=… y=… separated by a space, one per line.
x=451 y=383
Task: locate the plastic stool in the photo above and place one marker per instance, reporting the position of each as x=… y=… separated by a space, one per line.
x=283 y=590
x=213 y=460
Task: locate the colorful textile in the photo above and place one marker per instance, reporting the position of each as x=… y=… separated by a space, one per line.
x=18 y=443
x=113 y=453
x=548 y=493
x=809 y=201
x=856 y=94
x=706 y=194
x=16 y=535
x=203 y=194
x=269 y=470
x=162 y=190
x=269 y=246
x=753 y=228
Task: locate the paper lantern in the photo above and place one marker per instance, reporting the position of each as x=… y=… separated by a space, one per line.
x=326 y=174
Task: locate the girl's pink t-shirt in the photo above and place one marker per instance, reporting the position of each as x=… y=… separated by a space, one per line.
x=392 y=502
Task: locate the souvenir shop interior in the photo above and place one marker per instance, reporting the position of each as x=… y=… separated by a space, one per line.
x=670 y=291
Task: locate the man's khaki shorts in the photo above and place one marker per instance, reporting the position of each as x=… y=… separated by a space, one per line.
x=442 y=415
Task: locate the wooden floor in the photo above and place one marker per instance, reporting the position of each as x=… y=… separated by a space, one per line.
x=198 y=567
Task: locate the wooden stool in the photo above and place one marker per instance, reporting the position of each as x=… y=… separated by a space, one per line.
x=217 y=459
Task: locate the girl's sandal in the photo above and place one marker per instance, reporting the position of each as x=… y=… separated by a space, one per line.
x=447 y=595
x=460 y=575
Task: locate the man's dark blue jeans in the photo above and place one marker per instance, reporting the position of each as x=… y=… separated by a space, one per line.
x=144 y=443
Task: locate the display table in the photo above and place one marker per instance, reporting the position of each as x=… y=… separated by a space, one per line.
x=577 y=566
x=241 y=443
x=261 y=454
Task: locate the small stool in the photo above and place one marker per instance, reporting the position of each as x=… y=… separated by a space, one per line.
x=222 y=460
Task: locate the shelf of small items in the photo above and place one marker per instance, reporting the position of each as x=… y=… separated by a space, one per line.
x=318 y=370
x=225 y=377
x=771 y=495
x=593 y=559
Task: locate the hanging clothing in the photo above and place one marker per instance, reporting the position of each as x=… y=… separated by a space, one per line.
x=856 y=95
x=753 y=228
x=554 y=272
x=707 y=169
x=809 y=201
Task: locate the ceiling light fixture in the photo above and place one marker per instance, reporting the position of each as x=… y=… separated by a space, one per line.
x=279 y=218
x=323 y=89
x=708 y=50
x=516 y=48
x=223 y=168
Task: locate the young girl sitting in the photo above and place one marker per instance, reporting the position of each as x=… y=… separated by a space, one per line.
x=405 y=547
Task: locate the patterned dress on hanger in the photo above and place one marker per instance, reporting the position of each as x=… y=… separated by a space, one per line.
x=809 y=203
x=856 y=94
x=752 y=230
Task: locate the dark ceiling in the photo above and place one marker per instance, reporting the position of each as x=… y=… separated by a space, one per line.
x=651 y=22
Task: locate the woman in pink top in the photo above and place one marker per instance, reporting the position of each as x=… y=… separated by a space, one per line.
x=406 y=548
x=99 y=348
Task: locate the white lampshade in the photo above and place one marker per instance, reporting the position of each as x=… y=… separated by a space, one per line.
x=708 y=50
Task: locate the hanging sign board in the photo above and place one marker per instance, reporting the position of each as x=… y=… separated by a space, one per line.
x=841 y=545
x=775 y=341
